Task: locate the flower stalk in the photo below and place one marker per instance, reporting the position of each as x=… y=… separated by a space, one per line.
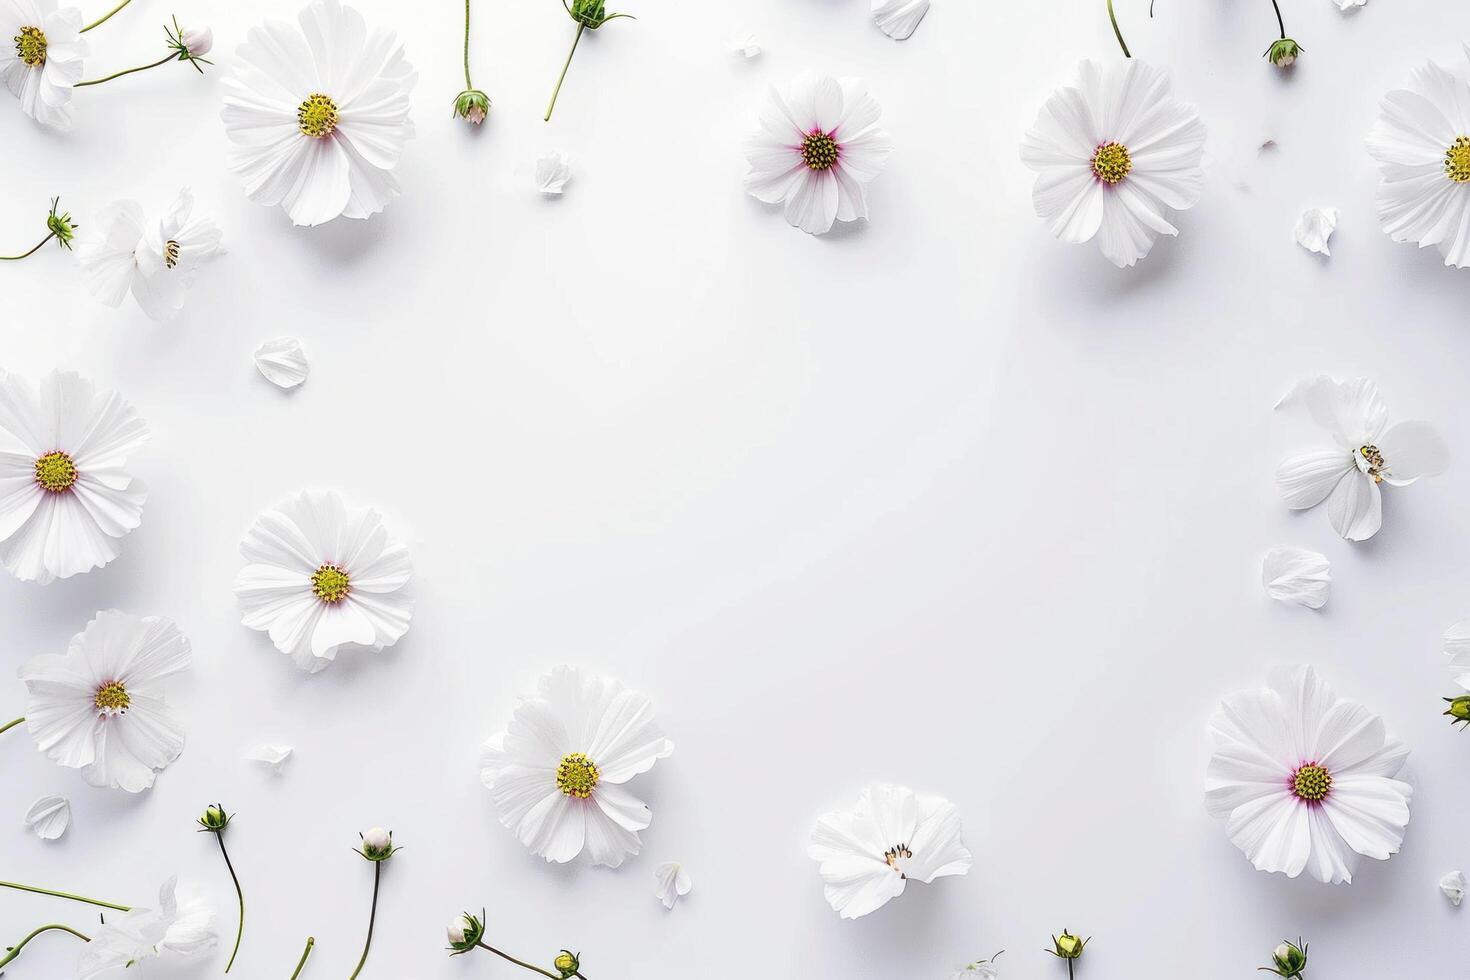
x=471 y=105
x=301 y=963
x=589 y=15
x=467 y=932
x=128 y=71
x=377 y=847
x=11 y=724
x=1284 y=52
x=105 y=17
x=180 y=48
x=214 y=821
x=14 y=951
x=74 y=898
x=1113 y=17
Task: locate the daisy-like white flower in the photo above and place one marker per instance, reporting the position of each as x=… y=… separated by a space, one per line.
x=99 y=707
x=1306 y=780
x=818 y=148
x=557 y=773
x=323 y=575
x=1368 y=453
x=673 y=883
x=41 y=52
x=868 y=854
x=182 y=925
x=66 y=497
x=1422 y=144
x=157 y=261
x=319 y=116
x=1116 y=155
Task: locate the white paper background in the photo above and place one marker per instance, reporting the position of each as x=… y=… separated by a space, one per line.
x=936 y=500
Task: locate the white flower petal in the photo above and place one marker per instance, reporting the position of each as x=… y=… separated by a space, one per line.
x=274 y=756
x=1306 y=480
x=899 y=18
x=282 y=362
x=1355 y=507
x=672 y=883
x=1457 y=648
x=553 y=170
x=1411 y=450
x=1453 y=887
x=49 y=817
x=1297 y=575
x=1314 y=228
x=747 y=46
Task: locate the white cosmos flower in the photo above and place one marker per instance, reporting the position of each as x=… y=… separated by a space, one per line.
x=1368 y=453
x=323 y=575
x=1305 y=779
x=182 y=925
x=867 y=855
x=1116 y=154
x=100 y=707
x=66 y=496
x=818 y=149
x=319 y=115
x=557 y=773
x=155 y=260
x=41 y=52
x=673 y=883
x=1422 y=144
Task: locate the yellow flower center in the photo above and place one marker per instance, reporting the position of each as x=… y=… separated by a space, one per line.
x=317 y=116
x=1312 y=783
x=1457 y=160
x=170 y=253
x=30 y=47
x=1111 y=163
x=819 y=151
x=896 y=854
x=55 y=472
x=330 y=583
x=577 y=775
x=112 y=698
x=1374 y=458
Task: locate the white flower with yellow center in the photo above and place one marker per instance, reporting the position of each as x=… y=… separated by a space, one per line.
x=818 y=148
x=323 y=575
x=1116 y=155
x=557 y=773
x=41 y=52
x=1368 y=453
x=1422 y=144
x=99 y=707
x=66 y=496
x=868 y=855
x=1305 y=780
x=319 y=116
x=182 y=925
x=156 y=261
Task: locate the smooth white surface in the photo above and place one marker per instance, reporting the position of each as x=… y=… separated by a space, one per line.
x=936 y=500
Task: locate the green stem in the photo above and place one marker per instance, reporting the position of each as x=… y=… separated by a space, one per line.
x=1279 y=22
x=310 y=942
x=467 y=83
x=563 y=77
x=11 y=724
x=1072 y=964
x=240 y=931
x=15 y=258
x=512 y=959
x=372 y=919
x=75 y=898
x=15 y=950
x=171 y=56
x=105 y=17
x=1116 y=32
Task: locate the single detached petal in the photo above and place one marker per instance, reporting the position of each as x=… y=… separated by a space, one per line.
x=49 y=817
x=899 y=18
x=746 y=46
x=552 y=173
x=1297 y=575
x=673 y=883
x=1314 y=228
x=274 y=756
x=1453 y=886
x=282 y=362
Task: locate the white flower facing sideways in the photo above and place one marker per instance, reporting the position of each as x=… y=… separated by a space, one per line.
x=818 y=148
x=157 y=261
x=182 y=925
x=1368 y=453
x=319 y=116
x=100 y=707
x=1115 y=154
x=557 y=773
x=322 y=575
x=66 y=496
x=1306 y=780
x=41 y=52
x=1421 y=141
x=867 y=855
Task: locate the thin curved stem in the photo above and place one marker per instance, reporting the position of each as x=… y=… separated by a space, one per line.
x=171 y=56
x=310 y=942
x=16 y=258
x=75 y=898
x=15 y=950
x=511 y=959
x=467 y=83
x=11 y=724
x=563 y=77
x=1118 y=33
x=372 y=919
x=1279 y=22
x=105 y=17
x=240 y=930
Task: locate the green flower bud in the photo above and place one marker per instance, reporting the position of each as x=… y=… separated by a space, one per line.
x=61 y=225
x=465 y=932
x=1283 y=53
x=377 y=844
x=214 y=818
x=591 y=14
x=567 y=964
x=1289 y=959
x=1459 y=710
x=472 y=105
x=1068 y=946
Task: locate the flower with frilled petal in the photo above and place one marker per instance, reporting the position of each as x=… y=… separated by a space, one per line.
x=182 y=925
x=41 y=52
x=157 y=261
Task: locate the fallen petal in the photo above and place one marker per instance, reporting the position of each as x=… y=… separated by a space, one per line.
x=552 y=173
x=51 y=815
x=746 y=47
x=1314 y=227
x=899 y=18
x=1453 y=886
x=673 y=883
x=282 y=361
x=274 y=756
x=1297 y=575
